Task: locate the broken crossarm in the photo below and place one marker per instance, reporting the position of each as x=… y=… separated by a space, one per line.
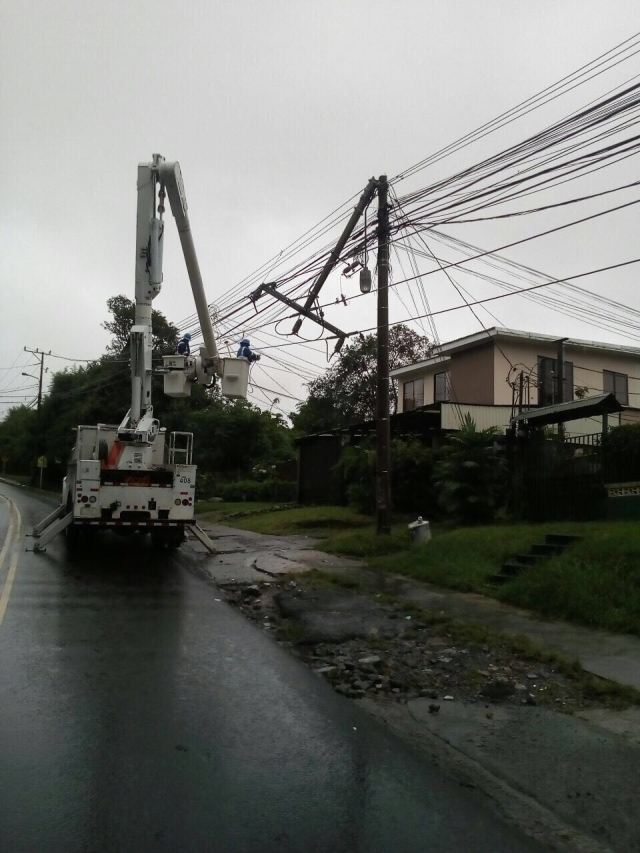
x=270 y=287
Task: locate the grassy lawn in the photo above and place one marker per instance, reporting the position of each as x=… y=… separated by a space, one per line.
x=283 y=519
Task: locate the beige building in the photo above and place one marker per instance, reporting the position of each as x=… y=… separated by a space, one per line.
x=482 y=374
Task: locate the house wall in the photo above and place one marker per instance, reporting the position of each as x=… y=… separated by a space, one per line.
x=587 y=368
x=452 y=414
x=472 y=375
x=479 y=375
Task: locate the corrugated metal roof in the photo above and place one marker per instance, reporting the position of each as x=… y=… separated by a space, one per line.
x=561 y=412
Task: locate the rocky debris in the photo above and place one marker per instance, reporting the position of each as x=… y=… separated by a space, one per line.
x=366 y=648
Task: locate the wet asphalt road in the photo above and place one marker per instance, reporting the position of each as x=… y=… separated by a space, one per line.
x=139 y=713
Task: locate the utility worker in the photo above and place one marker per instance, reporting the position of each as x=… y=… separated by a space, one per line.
x=244 y=351
x=184 y=347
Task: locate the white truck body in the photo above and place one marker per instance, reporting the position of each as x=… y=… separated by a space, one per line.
x=133 y=488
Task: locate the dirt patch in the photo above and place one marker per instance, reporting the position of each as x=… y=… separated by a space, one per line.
x=369 y=646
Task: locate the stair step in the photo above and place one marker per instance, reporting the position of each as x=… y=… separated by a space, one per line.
x=547 y=549
x=512 y=569
x=527 y=559
x=561 y=538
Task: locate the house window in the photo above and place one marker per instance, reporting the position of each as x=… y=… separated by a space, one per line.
x=441 y=387
x=548 y=383
x=618 y=384
x=413 y=395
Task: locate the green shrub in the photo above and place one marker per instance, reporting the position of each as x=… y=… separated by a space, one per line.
x=262 y=490
x=359 y=472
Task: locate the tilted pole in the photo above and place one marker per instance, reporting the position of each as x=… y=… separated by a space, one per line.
x=383 y=431
x=358 y=210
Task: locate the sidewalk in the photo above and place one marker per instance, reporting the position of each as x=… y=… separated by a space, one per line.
x=612 y=656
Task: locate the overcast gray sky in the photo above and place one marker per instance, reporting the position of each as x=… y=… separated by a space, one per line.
x=278 y=112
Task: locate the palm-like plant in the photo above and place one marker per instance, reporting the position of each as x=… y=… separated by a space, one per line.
x=469 y=475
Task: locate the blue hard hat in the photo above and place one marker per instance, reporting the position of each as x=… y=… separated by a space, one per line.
x=187 y=336
x=245 y=342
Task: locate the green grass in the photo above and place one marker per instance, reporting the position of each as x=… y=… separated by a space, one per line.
x=219 y=510
x=463 y=558
x=320 y=521
x=596 y=581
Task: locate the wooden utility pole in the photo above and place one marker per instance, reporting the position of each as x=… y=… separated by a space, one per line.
x=383 y=431
x=42 y=355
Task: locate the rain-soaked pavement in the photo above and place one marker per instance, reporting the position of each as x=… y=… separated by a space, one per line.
x=138 y=712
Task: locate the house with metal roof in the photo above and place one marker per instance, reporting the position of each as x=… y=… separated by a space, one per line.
x=495 y=374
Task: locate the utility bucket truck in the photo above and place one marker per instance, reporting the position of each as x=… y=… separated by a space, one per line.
x=136 y=477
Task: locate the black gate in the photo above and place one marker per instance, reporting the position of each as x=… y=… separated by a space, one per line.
x=555 y=480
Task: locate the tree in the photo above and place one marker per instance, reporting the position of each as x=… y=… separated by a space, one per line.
x=123 y=311
x=18 y=439
x=346 y=393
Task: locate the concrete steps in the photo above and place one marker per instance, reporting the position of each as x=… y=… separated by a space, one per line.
x=553 y=545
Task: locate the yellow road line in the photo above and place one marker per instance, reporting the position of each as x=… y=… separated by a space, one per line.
x=14 y=530
x=6 y=589
x=8 y=538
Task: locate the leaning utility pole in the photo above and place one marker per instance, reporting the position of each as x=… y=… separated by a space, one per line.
x=42 y=355
x=383 y=431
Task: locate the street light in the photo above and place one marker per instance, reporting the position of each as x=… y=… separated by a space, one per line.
x=31 y=376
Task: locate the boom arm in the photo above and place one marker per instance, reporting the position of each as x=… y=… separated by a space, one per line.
x=155 y=181
x=171 y=178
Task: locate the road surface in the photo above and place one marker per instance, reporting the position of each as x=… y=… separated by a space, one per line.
x=139 y=712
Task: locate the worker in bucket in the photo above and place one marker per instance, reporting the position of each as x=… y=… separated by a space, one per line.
x=184 y=346
x=244 y=351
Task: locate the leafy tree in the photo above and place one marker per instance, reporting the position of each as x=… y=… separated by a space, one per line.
x=470 y=474
x=123 y=312
x=346 y=393
x=18 y=439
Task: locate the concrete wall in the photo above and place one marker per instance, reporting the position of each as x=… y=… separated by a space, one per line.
x=484 y=417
